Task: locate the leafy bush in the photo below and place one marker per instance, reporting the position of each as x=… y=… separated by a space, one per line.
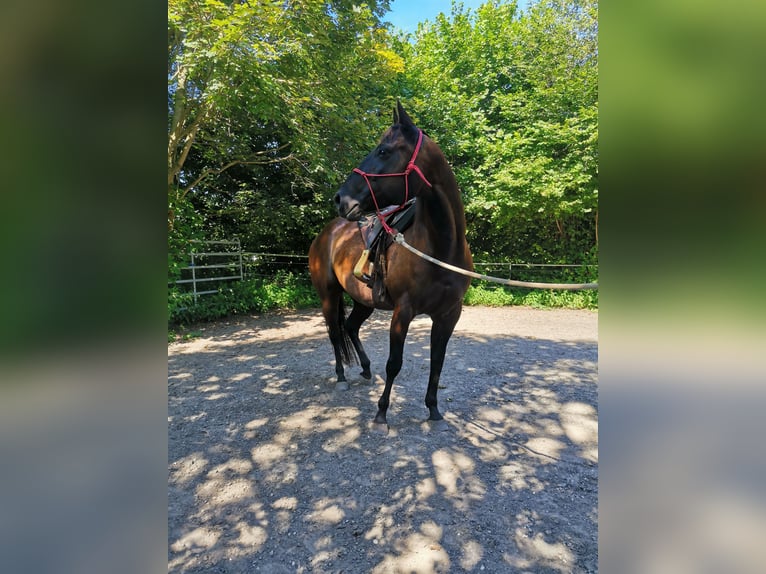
x=489 y=296
x=499 y=296
x=284 y=291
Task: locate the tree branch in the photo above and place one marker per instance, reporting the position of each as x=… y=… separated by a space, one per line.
x=191 y=132
x=180 y=133
x=208 y=172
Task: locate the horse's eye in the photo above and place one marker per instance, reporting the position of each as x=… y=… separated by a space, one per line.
x=383 y=152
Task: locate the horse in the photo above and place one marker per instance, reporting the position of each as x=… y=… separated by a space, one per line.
x=406 y=163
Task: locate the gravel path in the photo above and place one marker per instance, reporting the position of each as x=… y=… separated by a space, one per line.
x=272 y=471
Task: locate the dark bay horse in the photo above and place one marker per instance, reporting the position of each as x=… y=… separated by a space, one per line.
x=406 y=163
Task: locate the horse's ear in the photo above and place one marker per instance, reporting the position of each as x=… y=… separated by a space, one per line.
x=403 y=118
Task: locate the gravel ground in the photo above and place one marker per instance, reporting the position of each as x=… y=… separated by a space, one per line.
x=272 y=471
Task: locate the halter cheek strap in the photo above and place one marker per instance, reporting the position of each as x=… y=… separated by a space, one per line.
x=408 y=170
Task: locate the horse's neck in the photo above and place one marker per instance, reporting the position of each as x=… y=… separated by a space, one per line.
x=440 y=216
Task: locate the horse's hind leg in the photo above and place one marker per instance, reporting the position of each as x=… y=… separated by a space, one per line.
x=359 y=315
x=332 y=309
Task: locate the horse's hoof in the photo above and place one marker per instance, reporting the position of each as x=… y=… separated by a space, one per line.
x=366 y=374
x=379 y=428
x=435 y=426
x=341 y=386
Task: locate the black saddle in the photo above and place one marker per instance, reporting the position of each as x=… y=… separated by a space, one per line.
x=371 y=227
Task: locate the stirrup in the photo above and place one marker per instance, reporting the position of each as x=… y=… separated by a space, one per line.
x=359 y=268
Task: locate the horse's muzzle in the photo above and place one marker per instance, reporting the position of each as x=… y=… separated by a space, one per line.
x=348 y=207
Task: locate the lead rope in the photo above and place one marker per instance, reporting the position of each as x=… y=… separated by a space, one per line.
x=399 y=238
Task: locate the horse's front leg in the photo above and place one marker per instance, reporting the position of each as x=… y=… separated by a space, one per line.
x=400 y=323
x=441 y=331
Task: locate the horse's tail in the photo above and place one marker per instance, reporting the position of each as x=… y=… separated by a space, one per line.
x=340 y=336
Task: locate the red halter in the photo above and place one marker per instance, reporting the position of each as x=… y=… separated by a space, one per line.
x=409 y=169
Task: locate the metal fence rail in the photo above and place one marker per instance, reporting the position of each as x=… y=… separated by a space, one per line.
x=212 y=266
x=218 y=265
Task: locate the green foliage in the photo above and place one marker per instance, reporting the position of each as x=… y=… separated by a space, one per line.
x=270 y=105
x=187 y=226
x=488 y=296
x=500 y=296
x=512 y=101
x=284 y=291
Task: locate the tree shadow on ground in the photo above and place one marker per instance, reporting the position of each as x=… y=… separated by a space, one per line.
x=271 y=470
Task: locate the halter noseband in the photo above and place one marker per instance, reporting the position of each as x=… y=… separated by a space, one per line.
x=409 y=169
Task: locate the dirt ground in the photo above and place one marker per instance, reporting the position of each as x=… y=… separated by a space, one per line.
x=273 y=471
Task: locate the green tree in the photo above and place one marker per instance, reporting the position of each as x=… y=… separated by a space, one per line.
x=269 y=104
x=512 y=100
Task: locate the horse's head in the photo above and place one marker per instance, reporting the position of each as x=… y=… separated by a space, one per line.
x=388 y=175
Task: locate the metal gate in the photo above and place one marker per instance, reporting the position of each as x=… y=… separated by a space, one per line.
x=220 y=261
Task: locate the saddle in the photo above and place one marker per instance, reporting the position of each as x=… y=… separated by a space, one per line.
x=372 y=266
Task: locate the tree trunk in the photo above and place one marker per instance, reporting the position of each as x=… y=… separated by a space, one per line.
x=597 y=228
